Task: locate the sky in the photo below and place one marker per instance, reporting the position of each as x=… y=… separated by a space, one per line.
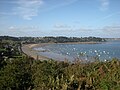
x=72 y=18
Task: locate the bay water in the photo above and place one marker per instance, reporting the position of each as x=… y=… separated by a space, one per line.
x=102 y=51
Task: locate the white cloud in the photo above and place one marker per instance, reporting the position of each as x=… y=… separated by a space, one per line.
x=23 y=28
x=28 y=8
x=11 y=28
x=112 y=29
x=104 y=5
x=111 y=15
x=23 y=31
x=23 y=8
x=61 y=26
x=72 y=29
x=53 y=4
x=108 y=17
x=106 y=31
x=7 y=13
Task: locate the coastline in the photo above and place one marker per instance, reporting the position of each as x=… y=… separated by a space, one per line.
x=81 y=43
x=28 y=49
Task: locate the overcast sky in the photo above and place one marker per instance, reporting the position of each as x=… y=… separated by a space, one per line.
x=78 y=18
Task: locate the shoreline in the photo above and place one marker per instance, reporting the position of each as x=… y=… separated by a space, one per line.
x=80 y=43
x=28 y=49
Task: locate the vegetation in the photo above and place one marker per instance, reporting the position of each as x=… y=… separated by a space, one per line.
x=53 y=39
x=60 y=39
x=20 y=72
x=28 y=74
x=9 y=38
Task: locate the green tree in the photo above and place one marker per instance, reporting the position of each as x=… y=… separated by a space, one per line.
x=16 y=75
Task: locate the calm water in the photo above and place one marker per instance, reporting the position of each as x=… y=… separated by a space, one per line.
x=103 y=51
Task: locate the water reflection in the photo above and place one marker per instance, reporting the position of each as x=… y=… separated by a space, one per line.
x=102 y=51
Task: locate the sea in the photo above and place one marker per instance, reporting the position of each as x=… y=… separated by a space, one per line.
x=86 y=52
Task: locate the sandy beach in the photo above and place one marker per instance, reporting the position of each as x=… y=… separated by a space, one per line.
x=28 y=49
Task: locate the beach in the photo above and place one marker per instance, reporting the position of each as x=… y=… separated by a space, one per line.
x=28 y=50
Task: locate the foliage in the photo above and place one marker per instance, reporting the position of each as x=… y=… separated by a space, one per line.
x=25 y=73
x=60 y=39
x=16 y=75
x=20 y=72
x=9 y=49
